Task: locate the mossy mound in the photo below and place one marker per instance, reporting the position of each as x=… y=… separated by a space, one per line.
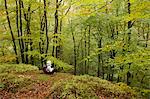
x=12 y=83
x=25 y=81
x=87 y=87
x=17 y=68
x=12 y=76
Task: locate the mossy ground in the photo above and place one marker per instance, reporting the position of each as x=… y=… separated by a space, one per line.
x=26 y=81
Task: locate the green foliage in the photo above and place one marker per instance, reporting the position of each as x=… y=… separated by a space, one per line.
x=43 y=77
x=15 y=68
x=87 y=87
x=145 y=93
x=2 y=86
x=60 y=64
x=7 y=59
x=12 y=82
x=12 y=76
x=108 y=20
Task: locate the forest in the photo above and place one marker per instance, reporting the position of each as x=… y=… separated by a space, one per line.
x=100 y=49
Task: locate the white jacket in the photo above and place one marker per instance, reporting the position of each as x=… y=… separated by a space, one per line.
x=49 y=67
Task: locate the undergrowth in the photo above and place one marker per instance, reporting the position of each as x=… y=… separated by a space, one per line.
x=14 y=77
x=87 y=87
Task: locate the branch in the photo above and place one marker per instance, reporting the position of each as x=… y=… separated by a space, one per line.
x=68 y=10
x=104 y=6
x=60 y=2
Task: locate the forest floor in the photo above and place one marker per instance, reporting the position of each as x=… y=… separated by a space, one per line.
x=38 y=88
x=27 y=82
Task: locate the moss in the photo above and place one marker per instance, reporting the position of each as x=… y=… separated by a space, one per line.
x=43 y=77
x=12 y=76
x=14 y=82
x=87 y=87
x=143 y=93
x=2 y=86
x=17 y=68
x=66 y=86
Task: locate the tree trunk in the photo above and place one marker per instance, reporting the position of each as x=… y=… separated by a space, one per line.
x=75 y=53
x=17 y=26
x=12 y=35
x=89 y=37
x=41 y=43
x=46 y=27
x=55 y=49
x=85 y=51
x=99 y=59
x=129 y=40
x=21 y=33
x=147 y=36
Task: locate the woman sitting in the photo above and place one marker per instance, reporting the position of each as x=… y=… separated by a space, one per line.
x=49 y=68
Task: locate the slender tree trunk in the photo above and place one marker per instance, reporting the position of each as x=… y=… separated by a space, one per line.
x=60 y=47
x=117 y=31
x=143 y=31
x=82 y=55
x=21 y=33
x=117 y=25
x=85 y=51
x=147 y=36
x=99 y=59
x=129 y=40
x=46 y=27
x=27 y=17
x=112 y=53
x=55 y=49
x=41 y=43
x=3 y=53
x=129 y=23
x=17 y=26
x=89 y=41
x=12 y=35
x=29 y=34
x=75 y=52
x=79 y=46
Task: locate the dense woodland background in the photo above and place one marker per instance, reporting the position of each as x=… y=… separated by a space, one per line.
x=109 y=39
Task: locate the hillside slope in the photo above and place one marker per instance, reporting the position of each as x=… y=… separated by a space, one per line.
x=25 y=81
